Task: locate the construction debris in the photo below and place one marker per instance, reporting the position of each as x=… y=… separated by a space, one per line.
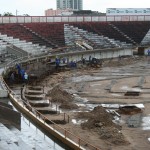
x=100 y=121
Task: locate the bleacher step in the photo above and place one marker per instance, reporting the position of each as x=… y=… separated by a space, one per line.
x=9 y=140
x=31 y=136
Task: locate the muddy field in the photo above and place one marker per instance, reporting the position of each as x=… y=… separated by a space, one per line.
x=100 y=110
x=81 y=92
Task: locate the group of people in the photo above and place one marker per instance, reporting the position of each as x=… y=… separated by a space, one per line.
x=22 y=74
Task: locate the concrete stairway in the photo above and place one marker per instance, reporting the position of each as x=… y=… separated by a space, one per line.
x=36 y=98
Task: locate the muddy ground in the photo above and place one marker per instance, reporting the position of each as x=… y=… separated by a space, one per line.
x=80 y=93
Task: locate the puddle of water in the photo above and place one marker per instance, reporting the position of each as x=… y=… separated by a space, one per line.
x=139 y=105
x=75 y=95
x=78 y=122
x=116 y=106
x=88 y=107
x=116 y=94
x=86 y=78
x=120 y=74
x=91 y=106
x=118 y=120
x=146 y=123
x=111 y=106
x=97 y=90
x=94 y=85
x=126 y=88
x=79 y=99
x=136 y=89
x=81 y=105
x=71 y=91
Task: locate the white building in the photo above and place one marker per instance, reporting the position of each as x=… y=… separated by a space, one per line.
x=70 y=4
x=127 y=11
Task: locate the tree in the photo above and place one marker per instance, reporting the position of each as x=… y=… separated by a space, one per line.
x=25 y=15
x=7 y=14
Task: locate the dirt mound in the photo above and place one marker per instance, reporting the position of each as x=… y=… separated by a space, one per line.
x=100 y=121
x=113 y=135
x=98 y=117
x=59 y=95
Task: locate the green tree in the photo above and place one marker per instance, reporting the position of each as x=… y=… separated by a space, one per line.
x=25 y=15
x=7 y=14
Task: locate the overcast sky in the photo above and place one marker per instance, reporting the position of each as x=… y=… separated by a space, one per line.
x=37 y=7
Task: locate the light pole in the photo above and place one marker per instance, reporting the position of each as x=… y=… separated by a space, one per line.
x=16 y=12
x=16 y=15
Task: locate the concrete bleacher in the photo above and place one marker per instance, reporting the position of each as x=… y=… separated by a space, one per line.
x=136 y=30
x=146 y=39
x=43 y=38
x=34 y=38
x=73 y=34
x=52 y=32
x=19 y=31
x=105 y=29
x=3 y=91
x=28 y=138
x=8 y=140
x=3 y=45
x=29 y=47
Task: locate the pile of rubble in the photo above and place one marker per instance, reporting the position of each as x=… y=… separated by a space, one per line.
x=100 y=121
x=112 y=134
x=61 y=96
